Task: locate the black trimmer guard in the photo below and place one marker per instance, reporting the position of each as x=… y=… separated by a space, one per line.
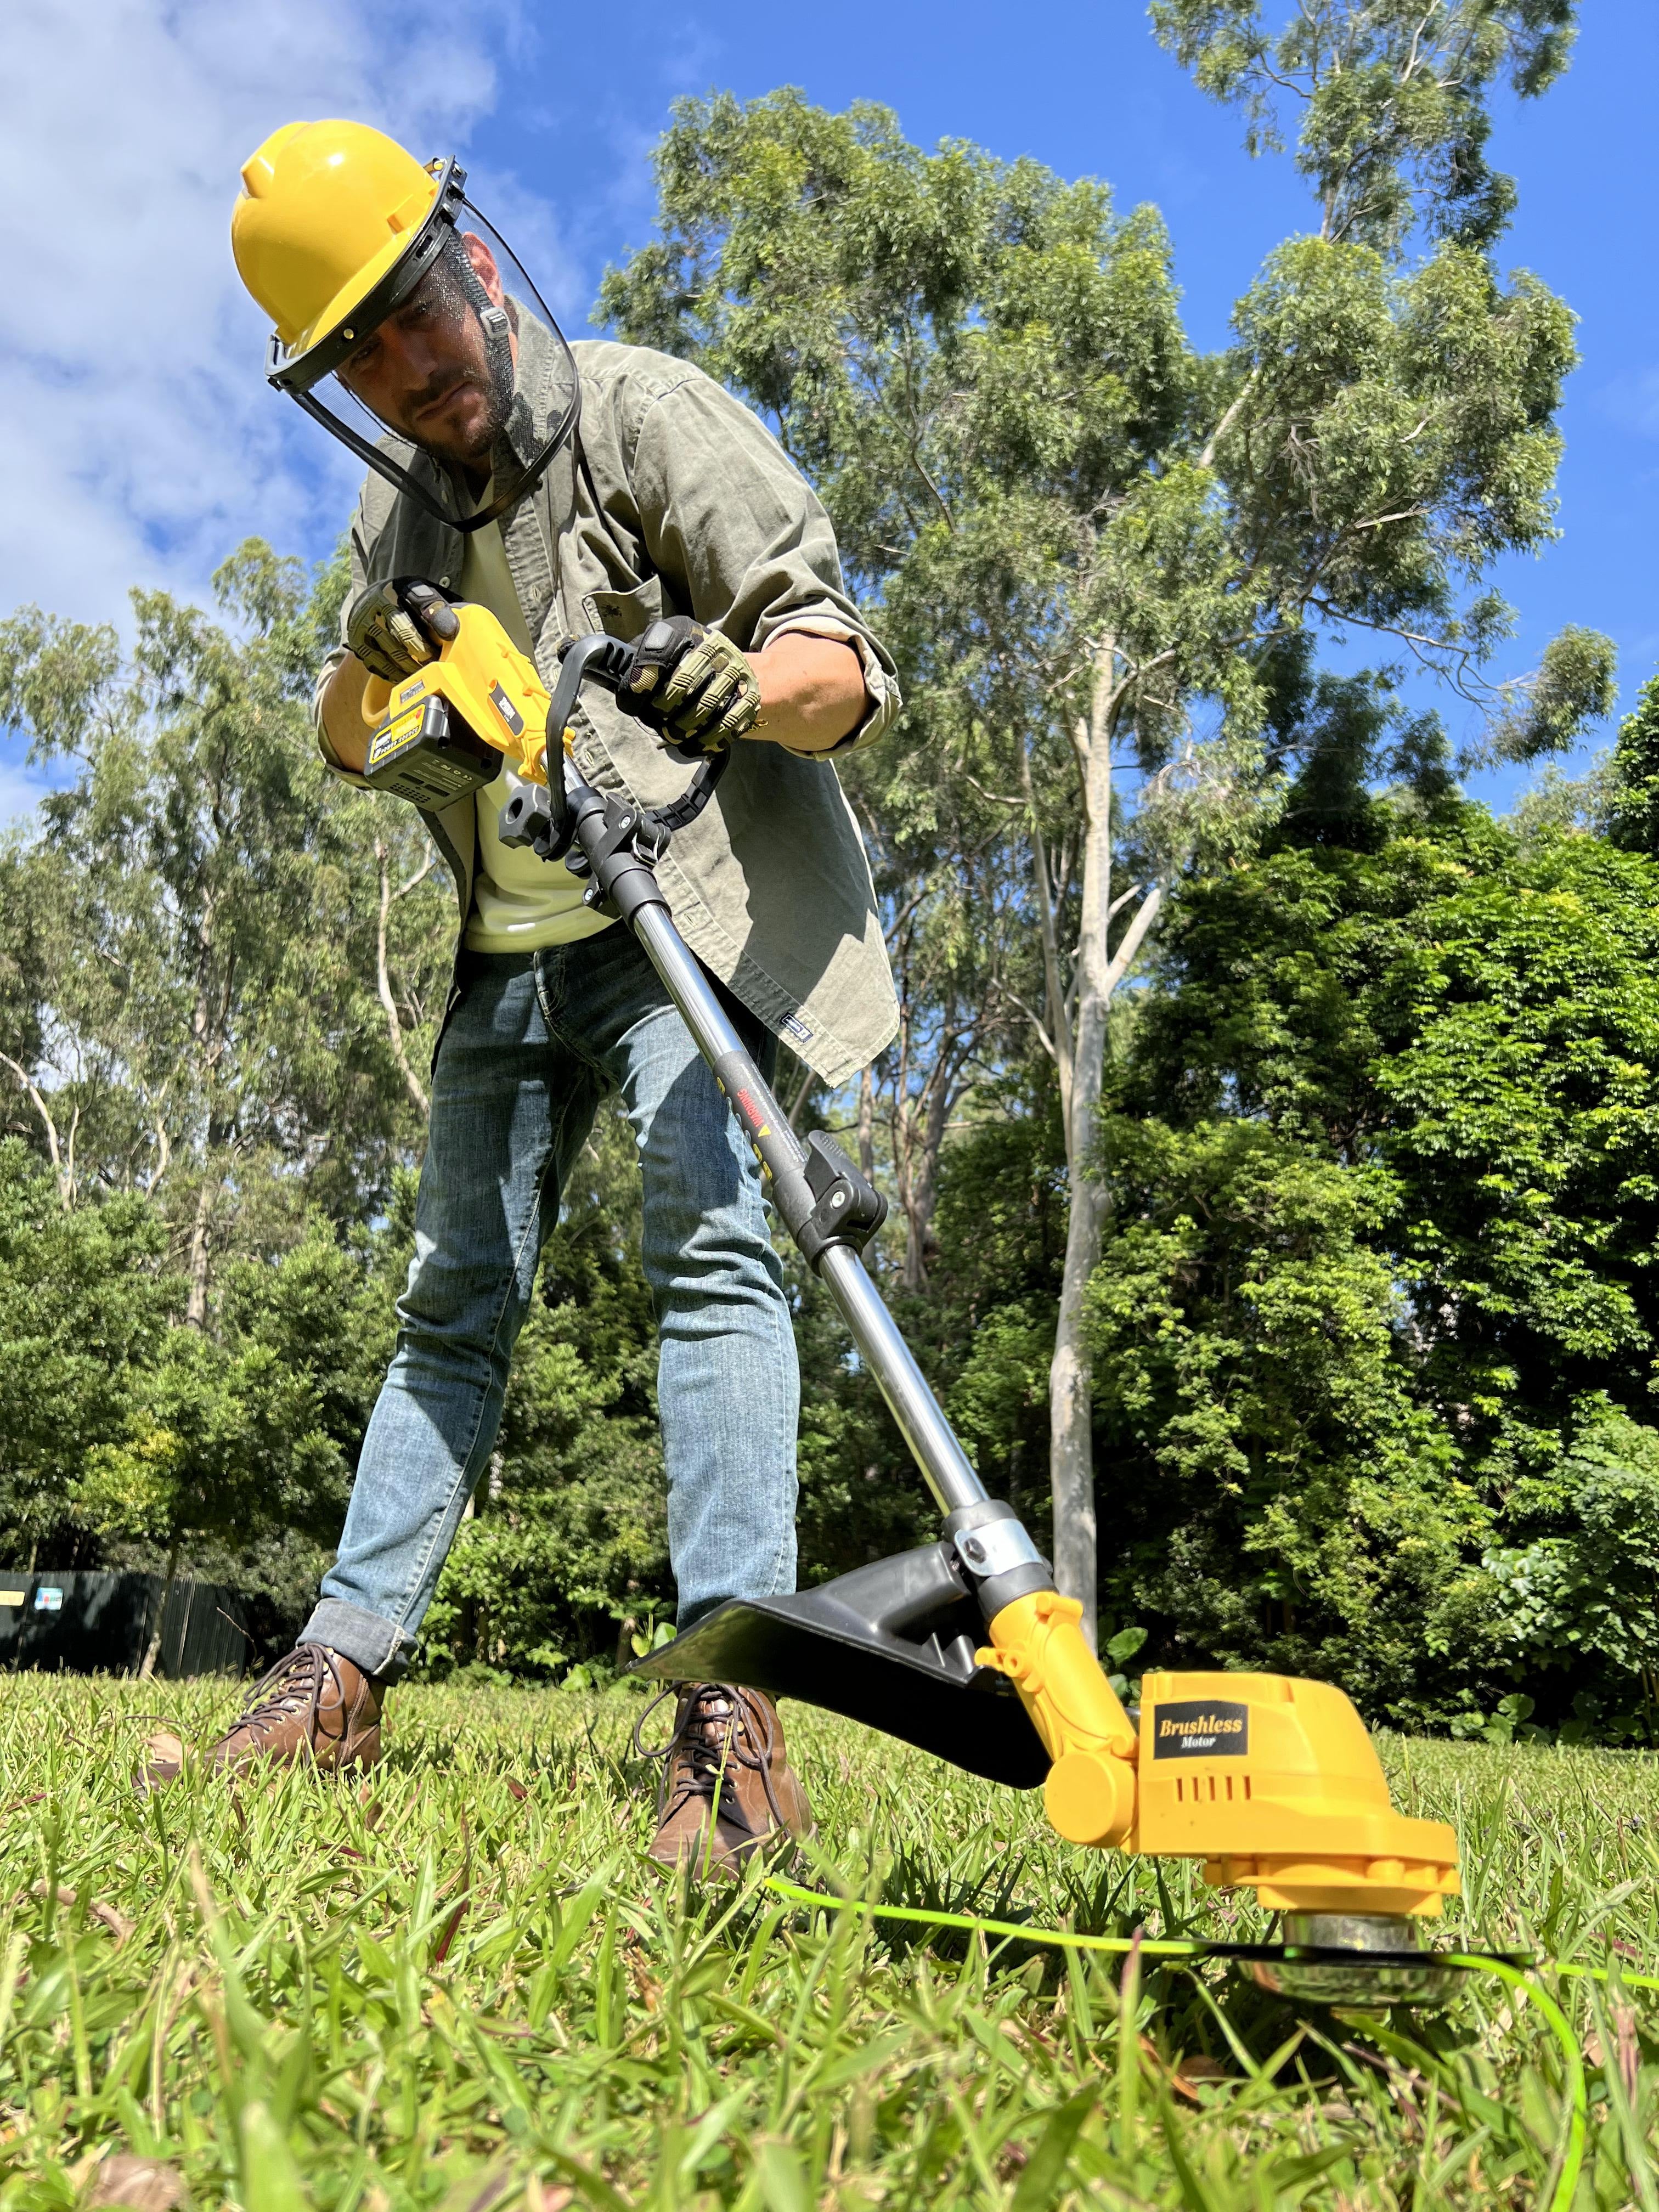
x=891 y=1646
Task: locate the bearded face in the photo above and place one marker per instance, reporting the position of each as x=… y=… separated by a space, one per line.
x=429 y=373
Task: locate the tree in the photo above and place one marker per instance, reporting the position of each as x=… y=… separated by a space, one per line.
x=1578 y=1599
x=218 y=968
x=1394 y=118
x=224 y=1441
x=232 y=954
x=1631 y=797
x=1448 y=1026
x=87 y=1299
x=1092 y=547
x=1282 y=1497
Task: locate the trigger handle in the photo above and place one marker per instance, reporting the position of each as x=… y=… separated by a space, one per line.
x=606 y=660
x=603 y=658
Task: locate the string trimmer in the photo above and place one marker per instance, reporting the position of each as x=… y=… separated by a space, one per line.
x=963 y=1647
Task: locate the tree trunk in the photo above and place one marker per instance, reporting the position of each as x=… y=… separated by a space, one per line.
x=918 y=1190
x=153 y=1648
x=388 y=998
x=1071 y=1449
x=200 y=1225
x=62 y=1166
x=867 y=1126
x=1058 y=1039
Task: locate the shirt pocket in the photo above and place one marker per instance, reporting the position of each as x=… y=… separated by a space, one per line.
x=625 y=614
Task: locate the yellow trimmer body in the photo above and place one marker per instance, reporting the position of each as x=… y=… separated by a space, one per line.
x=446 y=730
x=1273 y=1783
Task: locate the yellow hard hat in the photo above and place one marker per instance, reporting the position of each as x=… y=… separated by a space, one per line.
x=335 y=225
x=334 y=228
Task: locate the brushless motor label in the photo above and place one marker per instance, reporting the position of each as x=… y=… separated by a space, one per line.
x=1200 y=1729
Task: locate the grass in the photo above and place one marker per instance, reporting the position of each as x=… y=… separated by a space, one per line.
x=459 y=1984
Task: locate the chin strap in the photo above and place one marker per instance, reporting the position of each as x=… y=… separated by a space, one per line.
x=495 y=322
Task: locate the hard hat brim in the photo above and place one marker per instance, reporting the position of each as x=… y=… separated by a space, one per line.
x=375 y=292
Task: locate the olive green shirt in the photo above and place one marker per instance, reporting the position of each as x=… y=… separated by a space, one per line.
x=677 y=499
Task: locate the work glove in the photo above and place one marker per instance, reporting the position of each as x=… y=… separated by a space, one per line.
x=692 y=686
x=395 y=628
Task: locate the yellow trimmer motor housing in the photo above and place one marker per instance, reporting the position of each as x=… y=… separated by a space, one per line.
x=1271 y=1782
x=1275 y=1783
x=446 y=730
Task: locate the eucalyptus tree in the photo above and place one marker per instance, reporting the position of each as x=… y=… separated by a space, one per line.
x=1390 y=96
x=1090 y=544
x=232 y=957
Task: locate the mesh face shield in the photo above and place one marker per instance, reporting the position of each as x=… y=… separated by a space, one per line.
x=523 y=418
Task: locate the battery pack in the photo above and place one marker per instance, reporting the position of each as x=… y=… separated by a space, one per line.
x=430 y=756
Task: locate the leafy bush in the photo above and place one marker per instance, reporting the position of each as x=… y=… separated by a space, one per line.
x=1582 y=1601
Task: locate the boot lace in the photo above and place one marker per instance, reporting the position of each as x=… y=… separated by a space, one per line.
x=294 y=1684
x=716 y=1727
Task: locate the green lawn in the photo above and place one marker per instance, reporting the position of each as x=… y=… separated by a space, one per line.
x=460 y=1984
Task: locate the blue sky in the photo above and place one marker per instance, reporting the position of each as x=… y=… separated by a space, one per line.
x=144 y=444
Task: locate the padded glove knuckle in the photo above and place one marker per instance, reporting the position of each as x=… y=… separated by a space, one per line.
x=392 y=626
x=692 y=685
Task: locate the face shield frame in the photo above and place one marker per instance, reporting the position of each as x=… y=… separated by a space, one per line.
x=298 y=376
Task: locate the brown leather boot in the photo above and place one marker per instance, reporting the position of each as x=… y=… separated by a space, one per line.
x=727 y=1783
x=314 y=1704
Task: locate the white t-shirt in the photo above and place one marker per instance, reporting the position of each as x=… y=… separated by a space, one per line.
x=519 y=903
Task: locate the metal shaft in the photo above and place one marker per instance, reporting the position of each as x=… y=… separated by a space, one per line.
x=910 y=1399
x=909 y=1396
x=711 y=1026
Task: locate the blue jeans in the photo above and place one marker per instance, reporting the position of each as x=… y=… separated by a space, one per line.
x=534 y=1045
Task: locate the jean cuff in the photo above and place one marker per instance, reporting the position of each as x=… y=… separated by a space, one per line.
x=378 y=1646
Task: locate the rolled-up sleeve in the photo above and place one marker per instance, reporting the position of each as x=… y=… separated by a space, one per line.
x=741 y=538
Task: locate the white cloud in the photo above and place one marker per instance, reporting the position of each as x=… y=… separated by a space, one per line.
x=143 y=441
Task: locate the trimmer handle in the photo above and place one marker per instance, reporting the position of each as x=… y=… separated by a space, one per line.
x=603 y=658
x=543 y=822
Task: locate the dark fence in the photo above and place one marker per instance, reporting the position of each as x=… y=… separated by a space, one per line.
x=84 y=1624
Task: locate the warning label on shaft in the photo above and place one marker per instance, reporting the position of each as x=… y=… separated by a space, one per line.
x=1200 y=1729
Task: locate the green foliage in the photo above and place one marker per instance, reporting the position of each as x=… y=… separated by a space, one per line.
x=216 y=1441
x=1576 y=684
x=238 y=1436
x=1279 y=1498
x=1632 y=802
x=463 y=1982
x=983 y=369
x=1382 y=1163
x=200 y=977
x=85 y=1303
x=1582 y=1596
x=1393 y=115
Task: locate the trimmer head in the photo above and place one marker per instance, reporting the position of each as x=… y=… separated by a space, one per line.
x=891 y=1646
x=1354 y=1959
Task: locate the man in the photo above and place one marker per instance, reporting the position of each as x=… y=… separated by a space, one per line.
x=573 y=490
